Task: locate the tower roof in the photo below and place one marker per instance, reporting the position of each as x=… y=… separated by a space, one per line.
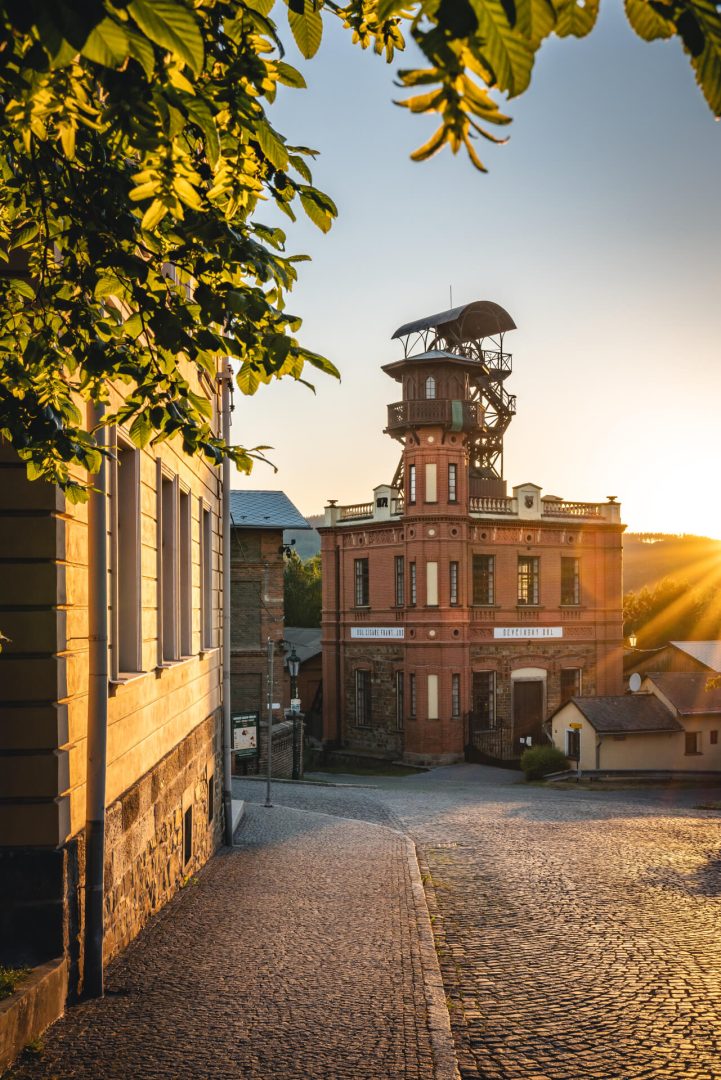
x=479 y=319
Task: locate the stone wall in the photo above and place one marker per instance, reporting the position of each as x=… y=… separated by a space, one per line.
x=282 y=761
x=145 y=861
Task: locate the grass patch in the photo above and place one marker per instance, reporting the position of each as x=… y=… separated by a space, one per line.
x=9 y=979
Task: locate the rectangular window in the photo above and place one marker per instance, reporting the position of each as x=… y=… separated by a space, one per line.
x=186 y=576
x=400 y=707
x=361 y=582
x=528 y=579
x=431 y=483
x=432 y=584
x=363 y=708
x=693 y=742
x=211 y=797
x=453 y=483
x=573 y=745
x=453 y=592
x=432 y=697
x=206 y=577
x=484 y=579
x=414 y=584
x=455 y=695
x=400 y=581
x=187 y=835
x=570 y=683
x=570 y=581
x=413 y=702
x=713 y=737
x=125 y=562
x=411 y=483
x=168 y=571
x=484 y=698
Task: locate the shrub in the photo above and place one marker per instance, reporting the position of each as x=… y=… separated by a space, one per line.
x=539 y=761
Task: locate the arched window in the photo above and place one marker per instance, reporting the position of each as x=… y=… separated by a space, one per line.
x=430 y=388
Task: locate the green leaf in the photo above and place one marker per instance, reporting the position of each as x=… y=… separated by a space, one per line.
x=307 y=30
x=647 y=22
x=248 y=380
x=576 y=17
x=27 y=233
x=141 y=430
x=170 y=24
x=536 y=19
x=707 y=64
x=108 y=44
x=142 y=51
x=387 y=8
x=289 y=76
x=263 y=7
x=506 y=50
x=271 y=146
x=199 y=111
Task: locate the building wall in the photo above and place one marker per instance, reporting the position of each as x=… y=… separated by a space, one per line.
x=440 y=639
x=160 y=706
x=642 y=751
x=256 y=614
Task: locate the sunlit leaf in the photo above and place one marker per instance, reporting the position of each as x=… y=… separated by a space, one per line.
x=172 y=26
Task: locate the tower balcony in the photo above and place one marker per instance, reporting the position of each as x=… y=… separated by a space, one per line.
x=453 y=415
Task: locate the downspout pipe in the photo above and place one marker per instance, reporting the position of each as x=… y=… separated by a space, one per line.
x=226 y=377
x=97 y=737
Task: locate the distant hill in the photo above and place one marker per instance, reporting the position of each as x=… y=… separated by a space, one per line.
x=650 y=557
x=647 y=557
x=307 y=543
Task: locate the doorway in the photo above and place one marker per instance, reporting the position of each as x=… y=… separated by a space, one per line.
x=528 y=712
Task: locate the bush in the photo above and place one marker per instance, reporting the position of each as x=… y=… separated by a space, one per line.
x=539 y=761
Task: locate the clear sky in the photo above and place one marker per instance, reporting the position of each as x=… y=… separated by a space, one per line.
x=598 y=228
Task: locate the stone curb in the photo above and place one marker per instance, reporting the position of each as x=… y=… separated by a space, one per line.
x=439 y=1022
x=304 y=783
x=35 y=1005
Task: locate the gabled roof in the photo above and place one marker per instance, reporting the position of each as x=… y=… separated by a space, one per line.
x=626 y=713
x=304 y=639
x=264 y=510
x=686 y=690
x=706 y=652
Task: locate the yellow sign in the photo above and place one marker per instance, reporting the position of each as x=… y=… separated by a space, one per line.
x=575 y=727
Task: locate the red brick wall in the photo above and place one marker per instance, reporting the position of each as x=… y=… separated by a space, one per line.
x=442 y=639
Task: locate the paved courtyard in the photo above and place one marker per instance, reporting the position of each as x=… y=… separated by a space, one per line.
x=579 y=933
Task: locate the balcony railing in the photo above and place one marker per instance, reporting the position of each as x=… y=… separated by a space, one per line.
x=488 y=504
x=561 y=508
x=461 y=415
x=358 y=510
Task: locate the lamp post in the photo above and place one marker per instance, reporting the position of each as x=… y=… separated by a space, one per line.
x=293 y=663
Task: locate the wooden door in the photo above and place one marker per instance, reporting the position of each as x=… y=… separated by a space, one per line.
x=527 y=711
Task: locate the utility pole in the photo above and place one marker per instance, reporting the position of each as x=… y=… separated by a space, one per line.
x=226 y=377
x=269 y=749
x=97 y=736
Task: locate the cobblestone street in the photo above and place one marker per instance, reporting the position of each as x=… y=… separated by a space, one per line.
x=305 y=952
x=579 y=933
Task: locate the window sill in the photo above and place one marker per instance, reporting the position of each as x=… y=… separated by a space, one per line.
x=122 y=678
x=493 y=607
x=174 y=663
x=694 y=753
x=208 y=651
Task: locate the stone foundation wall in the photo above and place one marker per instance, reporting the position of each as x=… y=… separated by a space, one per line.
x=145 y=845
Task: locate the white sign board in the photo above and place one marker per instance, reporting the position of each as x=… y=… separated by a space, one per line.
x=503 y=632
x=376 y=632
x=245 y=738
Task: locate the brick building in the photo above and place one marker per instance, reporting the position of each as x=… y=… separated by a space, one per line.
x=457 y=618
x=258 y=520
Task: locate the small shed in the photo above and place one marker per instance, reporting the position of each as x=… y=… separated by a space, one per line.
x=630 y=731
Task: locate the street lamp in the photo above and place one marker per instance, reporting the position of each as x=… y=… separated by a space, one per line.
x=632 y=640
x=293 y=663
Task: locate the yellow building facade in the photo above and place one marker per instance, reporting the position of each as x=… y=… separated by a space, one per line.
x=164 y=763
